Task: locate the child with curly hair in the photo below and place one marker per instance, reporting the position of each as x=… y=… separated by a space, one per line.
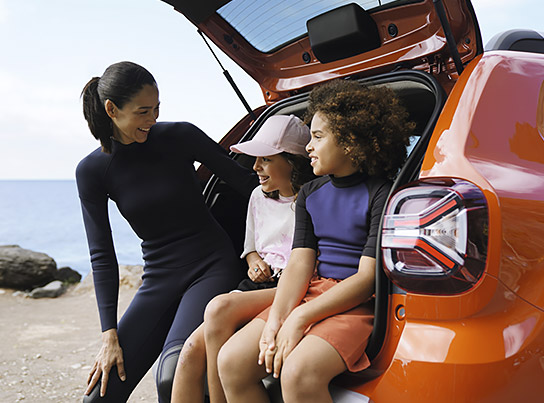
x=321 y=318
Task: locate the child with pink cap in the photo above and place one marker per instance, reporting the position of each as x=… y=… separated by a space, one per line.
x=283 y=166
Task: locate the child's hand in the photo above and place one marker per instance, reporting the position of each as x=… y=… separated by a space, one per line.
x=287 y=338
x=267 y=344
x=259 y=271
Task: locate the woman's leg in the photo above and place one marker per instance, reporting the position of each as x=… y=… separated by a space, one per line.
x=308 y=370
x=239 y=371
x=191 y=370
x=216 y=274
x=142 y=331
x=224 y=315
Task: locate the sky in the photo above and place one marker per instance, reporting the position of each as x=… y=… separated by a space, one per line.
x=49 y=49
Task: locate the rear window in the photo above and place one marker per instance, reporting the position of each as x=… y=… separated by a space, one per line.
x=271 y=24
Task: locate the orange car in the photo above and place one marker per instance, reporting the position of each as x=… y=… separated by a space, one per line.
x=460 y=278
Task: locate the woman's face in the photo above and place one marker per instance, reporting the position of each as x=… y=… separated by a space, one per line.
x=132 y=122
x=327 y=157
x=274 y=174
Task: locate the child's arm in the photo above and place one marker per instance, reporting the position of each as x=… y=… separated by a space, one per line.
x=292 y=287
x=343 y=296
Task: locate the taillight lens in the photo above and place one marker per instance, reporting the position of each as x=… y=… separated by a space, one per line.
x=434 y=236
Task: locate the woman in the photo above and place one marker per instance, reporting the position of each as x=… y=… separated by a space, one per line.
x=147 y=169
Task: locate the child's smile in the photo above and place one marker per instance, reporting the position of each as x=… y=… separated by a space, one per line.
x=274 y=174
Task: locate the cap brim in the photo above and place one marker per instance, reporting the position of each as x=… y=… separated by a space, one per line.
x=255 y=149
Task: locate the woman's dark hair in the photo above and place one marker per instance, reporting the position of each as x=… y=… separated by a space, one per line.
x=119 y=83
x=369 y=122
x=301 y=173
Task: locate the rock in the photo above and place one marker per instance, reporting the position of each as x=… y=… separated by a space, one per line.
x=23 y=269
x=51 y=290
x=67 y=275
x=130 y=276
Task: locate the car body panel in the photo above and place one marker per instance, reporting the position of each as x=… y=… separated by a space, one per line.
x=420 y=43
x=495 y=356
x=489 y=131
x=486 y=344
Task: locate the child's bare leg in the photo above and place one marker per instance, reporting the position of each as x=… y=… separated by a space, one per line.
x=239 y=371
x=309 y=368
x=225 y=314
x=190 y=370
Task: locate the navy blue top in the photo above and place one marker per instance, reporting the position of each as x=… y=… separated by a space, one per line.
x=156 y=189
x=339 y=218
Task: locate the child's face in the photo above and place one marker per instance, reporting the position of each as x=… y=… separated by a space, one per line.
x=274 y=174
x=327 y=157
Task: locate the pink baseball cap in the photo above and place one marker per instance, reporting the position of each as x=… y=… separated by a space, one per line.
x=277 y=134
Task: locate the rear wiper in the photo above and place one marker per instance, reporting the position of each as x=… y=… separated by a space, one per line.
x=229 y=78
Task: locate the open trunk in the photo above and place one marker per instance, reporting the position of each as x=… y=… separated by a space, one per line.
x=422 y=96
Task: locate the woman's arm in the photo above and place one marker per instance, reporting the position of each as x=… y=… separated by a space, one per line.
x=94 y=208
x=105 y=270
x=217 y=160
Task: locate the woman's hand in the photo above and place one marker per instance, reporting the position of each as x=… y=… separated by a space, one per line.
x=259 y=271
x=110 y=354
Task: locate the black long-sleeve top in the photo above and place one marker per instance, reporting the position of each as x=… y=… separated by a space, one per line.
x=155 y=187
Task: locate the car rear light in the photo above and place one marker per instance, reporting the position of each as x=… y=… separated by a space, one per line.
x=434 y=236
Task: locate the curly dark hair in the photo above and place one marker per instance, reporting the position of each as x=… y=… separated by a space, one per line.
x=301 y=173
x=368 y=121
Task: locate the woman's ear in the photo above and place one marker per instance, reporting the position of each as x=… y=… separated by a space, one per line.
x=111 y=109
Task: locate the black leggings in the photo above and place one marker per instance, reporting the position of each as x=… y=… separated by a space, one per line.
x=164 y=312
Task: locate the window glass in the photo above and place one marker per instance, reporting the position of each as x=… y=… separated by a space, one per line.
x=268 y=25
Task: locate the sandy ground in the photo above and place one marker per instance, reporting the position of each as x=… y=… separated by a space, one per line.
x=48 y=345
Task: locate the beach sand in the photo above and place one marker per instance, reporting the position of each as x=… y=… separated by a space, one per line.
x=48 y=346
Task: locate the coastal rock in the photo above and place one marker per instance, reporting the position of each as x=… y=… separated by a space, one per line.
x=130 y=277
x=67 y=275
x=23 y=269
x=51 y=290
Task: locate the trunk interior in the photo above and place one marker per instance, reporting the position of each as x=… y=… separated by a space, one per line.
x=421 y=95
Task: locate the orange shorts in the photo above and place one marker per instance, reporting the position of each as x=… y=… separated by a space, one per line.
x=347 y=332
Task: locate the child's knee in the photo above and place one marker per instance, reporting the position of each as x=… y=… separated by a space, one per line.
x=217 y=318
x=194 y=350
x=231 y=361
x=295 y=379
x=225 y=358
x=217 y=308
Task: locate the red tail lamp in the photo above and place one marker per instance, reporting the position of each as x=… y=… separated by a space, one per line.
x=434 y=236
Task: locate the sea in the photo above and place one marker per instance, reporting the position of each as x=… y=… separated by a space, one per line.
x=45 y=216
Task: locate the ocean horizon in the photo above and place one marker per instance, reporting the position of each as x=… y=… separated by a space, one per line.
x=45 y=216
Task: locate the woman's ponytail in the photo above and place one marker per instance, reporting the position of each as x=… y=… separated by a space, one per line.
x=95 y=114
